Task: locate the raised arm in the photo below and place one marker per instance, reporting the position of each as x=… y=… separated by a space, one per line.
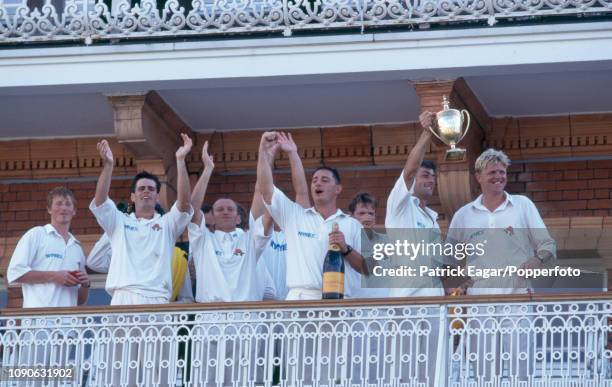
x=103 y=185
x=182 y=179
x=199 y=191
x=267 y=151
x=415 y=158
x=298 y=176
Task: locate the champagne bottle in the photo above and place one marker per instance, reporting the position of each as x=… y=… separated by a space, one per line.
x=333 y=271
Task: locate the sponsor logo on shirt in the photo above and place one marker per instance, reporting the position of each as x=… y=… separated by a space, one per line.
x=54 y=255
x=477 y=233
x=509 y=230
x=238 y=252
x=156 y=227
x=307 y=234
x=131 y=228
x=278 y=246
x=421 y=225
x=218 y=253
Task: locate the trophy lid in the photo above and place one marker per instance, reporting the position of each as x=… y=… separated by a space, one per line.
x=445 y=103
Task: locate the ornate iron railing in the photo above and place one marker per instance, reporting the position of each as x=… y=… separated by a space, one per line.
x=89 y=20
x=477 y=341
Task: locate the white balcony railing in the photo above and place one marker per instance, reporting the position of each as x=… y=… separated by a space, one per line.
x=89 y=20
x=496 y=341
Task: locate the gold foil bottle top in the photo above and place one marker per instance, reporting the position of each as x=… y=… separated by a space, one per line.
x=333 y=246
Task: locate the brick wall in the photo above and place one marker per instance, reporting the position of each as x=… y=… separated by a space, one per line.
x=578 y=188
x=23 y=206
x=567 y=189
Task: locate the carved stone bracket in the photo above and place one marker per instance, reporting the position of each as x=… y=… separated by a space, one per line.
x=456 y=184
x=148 y=128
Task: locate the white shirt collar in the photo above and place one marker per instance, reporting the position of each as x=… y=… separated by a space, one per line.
x=155 y=217
x=51 y=230
x=337 y=214
x=477 y=204
x=233 y=234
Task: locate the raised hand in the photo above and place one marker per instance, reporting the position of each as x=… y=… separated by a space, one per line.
x=207 y=159
x=286 y=143
x=426 y=119
x=105 y=152
x=183 y=151
x=269 y=144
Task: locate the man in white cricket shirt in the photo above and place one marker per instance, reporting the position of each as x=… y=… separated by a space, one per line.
x=309 y=233
x=409 y=218
x=275 y=254
x=50 y=265
x=513 y=234
x=226 y=270
x=142 y=244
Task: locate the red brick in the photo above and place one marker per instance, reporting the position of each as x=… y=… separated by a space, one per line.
x=22 y=215
x=603 y=183
x=16 y=206
x=555 y=195
x=570 y=175
x=525 y=176
x=601 y=173
x=550 y=175
x=516 y=168
x=4 y=188
x=570 y=184
x=541 y=186
x=570 y=195
x=586 y=194
x=602 y=193
x=9 y=197
x=585 y=174
x=600 y=164
x=599 y=204
x=556 y=166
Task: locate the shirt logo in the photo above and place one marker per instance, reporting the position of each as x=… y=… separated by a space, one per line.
x=509 y=230
x=156 y=227
x=218 y=253
x=477 y=233
x=307 y=234
x=238 y=252
x=421 y=225
x=131 y=228
x=278 y=246
x=54 y=255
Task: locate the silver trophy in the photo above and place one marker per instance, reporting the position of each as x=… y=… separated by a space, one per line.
x=450 y=130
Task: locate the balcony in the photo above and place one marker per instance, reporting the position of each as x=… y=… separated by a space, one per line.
x=471 y=341
x=89 y=21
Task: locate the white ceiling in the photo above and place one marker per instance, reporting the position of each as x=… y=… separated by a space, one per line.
x=299 y=101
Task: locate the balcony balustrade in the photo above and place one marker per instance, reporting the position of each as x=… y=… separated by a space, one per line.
x=92 y=20
x=548 y=340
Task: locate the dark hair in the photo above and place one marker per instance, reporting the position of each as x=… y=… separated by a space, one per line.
x=428 y=164
x=206 y=208
x=244 y=220
x=145 y=175
x=333 y=171
x=60 y=191
x=361 y=197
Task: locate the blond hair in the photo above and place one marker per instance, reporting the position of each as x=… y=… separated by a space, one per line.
x=491 y=156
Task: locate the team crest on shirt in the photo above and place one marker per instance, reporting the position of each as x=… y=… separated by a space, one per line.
x=156 y=227
x=238 y=252
x=509 y=230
